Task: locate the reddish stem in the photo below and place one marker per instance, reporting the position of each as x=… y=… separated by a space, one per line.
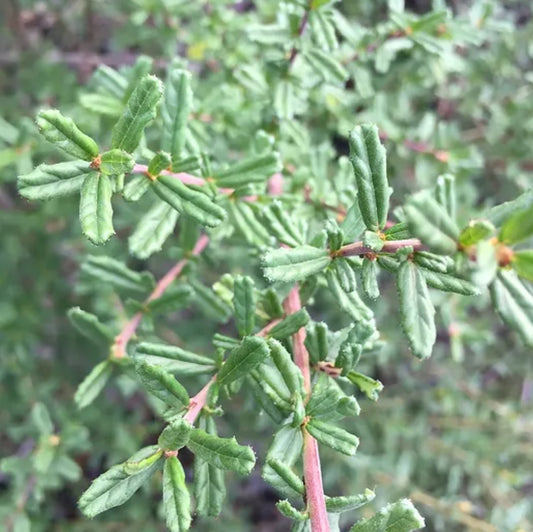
x=121 y=341
x=198 y=402
x=314 y=489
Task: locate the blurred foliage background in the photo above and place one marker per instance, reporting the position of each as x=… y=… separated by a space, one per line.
x=454 y=433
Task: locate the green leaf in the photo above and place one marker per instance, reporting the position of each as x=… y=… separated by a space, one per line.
x=351 y=502
x=294 y=264
x=41 y=419
x=498 y=214
x=429 y=221
x=175 y=359
x=93 y=384
x=373 y=241
x=108 y=270
x=185 y=199
x=175 y=112
x=287 y=448
x=175 y=435
x=136 y=187
x=244 y=304
x=210 y=303
x=289 y=325
x=243 y=359
x=53 y=181
x=353 y=224
x=90 y=326
x=255 y=169
x=449 y=283
x=102 y=104
x=335 y=437
x=517 y=227
x=152 y=230
x=282 y=225
x=63 y=132
x=370 y=387
x=176 y=498
x=289 y=371
x=350 y=303
x=349 y=354
x=475 y=231
x=284 y=99
x=325 y=66
x=316 y=341
x=116 y=162
x=345 y=274
x=224 y=453
x=369 y=274
x=159 y=162
x=445 y=193
x=172 y=300
x=416 y=309
x=400 y=516
x=326 y=397
x=288 y=510
x=209 y=487
x=514 y=303
x=523 y=263
x=139 y=111
x=113 y=488
x=287 y=475
x=143 y=65
x=399 y=231
x=368 y=158
x=96 y=211
x=162 y=384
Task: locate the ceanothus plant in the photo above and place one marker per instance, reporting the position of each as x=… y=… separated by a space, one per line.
x=304 y=236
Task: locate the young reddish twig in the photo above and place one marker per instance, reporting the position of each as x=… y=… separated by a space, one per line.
x=121 y=341
x=198 y=402
x=358 y=248
x=314 y=489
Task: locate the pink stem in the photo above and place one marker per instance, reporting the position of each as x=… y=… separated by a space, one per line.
x=198 y=402
x=121 y=341
x=314 y=489
x=358 y=248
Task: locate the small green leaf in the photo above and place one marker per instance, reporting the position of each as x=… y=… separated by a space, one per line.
x=399 y=231
x=335 y=437
x=445 y=193
x=139 y=111
x=517 y=227
x=90 y=326
x=373 y=241
x=345 y=274
x=53 y=181
x=142 y=67
x=93 y=384
x=288 y=510
x=152 y=230
x=370 y=387
x=351 y=502
x=368 y=158
x=253 y=170
x=498 y=214
x=243 y=359
x=349 y=354
x=294 y=264
x=185 y=199
x=353 y=224
x=287 y=475
x=514 y=303
x=96 y=211
x=63 y=132
x=175 y=435
x=159 y=162
x=289 y=325
x=41 y=419
x=449 y=283
x=224 y=453
x=162 y=384
x=369 y=274
x=175 y=359
x=350 y=303
x=400 y=516
x=175 y=112
x=244 y=304
x=325 y=66
x=113 y=488
x=416 y=309
x=136 y=187
x=116 y=162
x=523 y=263
x=475 y=231
x=289 y=371
x=209 y=487
x=316 y=341
x=281 y=225
x=176 y=498
x=108 y=270
x=429 y=221
x=172 y=300
x=210 y=303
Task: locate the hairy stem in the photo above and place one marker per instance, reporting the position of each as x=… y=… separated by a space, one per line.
x=121 y=341
x=358 y=248
x=314 y=489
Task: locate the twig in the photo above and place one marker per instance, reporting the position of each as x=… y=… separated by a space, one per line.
x=121 y=341
x=301 y=30
x=198 y=402
x=312 y=472
x=358 y=248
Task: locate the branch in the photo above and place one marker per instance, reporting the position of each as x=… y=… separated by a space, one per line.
x=301 y=30
x=392 y=246
x=121 y=341
x=314 y=489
